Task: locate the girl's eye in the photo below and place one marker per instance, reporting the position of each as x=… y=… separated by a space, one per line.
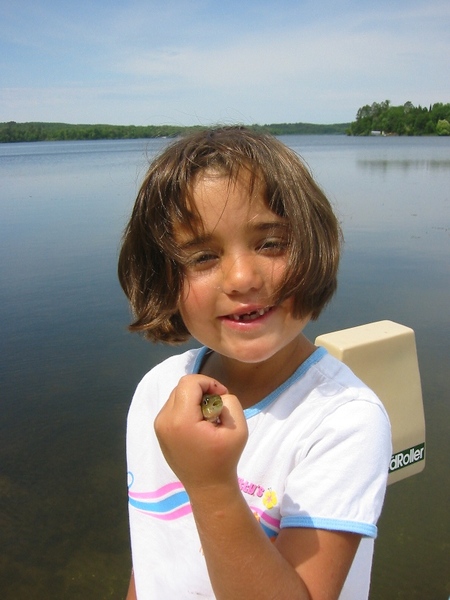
x=204 y=258
x=201 y=260
x=273 y=246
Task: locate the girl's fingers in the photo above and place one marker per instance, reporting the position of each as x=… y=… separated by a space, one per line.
x=200 y=452
x=190 y=390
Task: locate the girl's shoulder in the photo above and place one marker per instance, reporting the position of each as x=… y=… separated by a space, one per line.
x=174 y=366
x=158 y=383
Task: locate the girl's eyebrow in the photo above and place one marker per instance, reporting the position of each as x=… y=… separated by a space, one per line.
x=265 y=226
x=198 y=240
x=270 y=226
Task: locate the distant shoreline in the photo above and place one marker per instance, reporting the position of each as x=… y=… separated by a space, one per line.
x=379 y=118
x=12 y=132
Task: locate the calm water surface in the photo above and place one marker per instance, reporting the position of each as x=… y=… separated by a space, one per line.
x=69 y=367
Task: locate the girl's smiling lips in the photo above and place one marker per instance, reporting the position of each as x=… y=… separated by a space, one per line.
x=247 y=314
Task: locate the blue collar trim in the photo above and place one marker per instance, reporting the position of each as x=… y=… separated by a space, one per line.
x=315 y=357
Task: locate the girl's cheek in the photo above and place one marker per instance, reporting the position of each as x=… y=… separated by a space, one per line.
x=277 y=273
x=195 y=296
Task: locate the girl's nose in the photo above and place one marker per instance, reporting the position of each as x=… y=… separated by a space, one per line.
x=241 y=274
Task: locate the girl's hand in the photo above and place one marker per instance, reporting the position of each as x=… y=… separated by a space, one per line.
x=199 y=452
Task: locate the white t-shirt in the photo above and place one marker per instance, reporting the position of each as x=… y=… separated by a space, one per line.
x=317 y=456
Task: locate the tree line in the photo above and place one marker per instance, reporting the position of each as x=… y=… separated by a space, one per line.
x=51 y=132
x=382 y=118
x=378 y=117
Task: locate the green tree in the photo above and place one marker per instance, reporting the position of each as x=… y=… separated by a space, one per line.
x=400 y=120
x=443 y=127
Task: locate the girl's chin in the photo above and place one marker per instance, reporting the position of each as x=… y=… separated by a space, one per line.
x=249 y=355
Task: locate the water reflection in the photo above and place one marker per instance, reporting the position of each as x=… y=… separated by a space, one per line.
x=69 y=366
x=404 y=165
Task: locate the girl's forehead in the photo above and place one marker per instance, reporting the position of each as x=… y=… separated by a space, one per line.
x=223 y=206
x=217 y=195
x=213 y=186
x=242 y=177
x=218 y=199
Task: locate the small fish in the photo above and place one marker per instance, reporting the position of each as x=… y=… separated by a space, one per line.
x=212 y=407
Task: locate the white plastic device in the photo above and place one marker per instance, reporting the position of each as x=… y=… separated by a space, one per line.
x=384 y=356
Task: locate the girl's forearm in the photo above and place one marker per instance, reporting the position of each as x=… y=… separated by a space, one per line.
x=242 y=561
x=131 y=594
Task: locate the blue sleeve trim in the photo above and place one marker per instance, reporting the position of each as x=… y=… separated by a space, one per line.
x=365 y=529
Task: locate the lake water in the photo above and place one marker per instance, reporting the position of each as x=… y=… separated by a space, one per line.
x=69 y=367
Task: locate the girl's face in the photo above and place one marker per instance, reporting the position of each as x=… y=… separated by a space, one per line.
x=233 y=267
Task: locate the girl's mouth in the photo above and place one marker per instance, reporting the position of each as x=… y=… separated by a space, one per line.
x=250 y=316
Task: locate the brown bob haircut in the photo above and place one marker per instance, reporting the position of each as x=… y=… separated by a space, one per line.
x=151 y=270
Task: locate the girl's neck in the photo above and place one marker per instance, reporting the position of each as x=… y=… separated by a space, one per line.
x=251 y=382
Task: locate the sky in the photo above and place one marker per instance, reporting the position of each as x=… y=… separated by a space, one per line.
x=203 y=62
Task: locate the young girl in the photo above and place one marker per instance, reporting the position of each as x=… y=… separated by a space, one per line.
x=232 y=242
